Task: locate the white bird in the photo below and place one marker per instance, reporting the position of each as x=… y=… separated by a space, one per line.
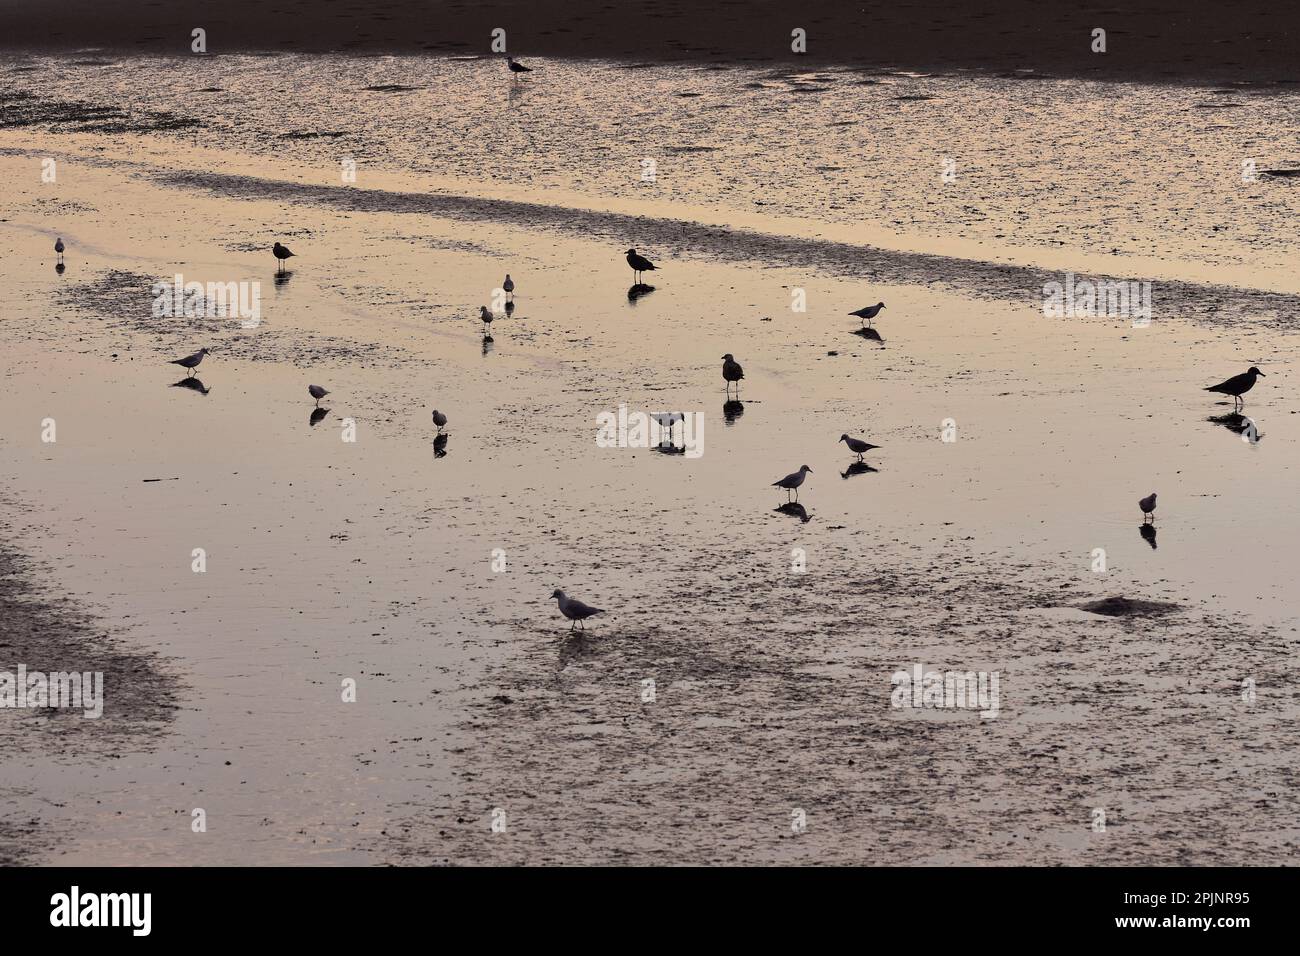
x=316 y=392
x=508 y=287
x=1148 y=506
x=439 y=419
x=575 y=610
x=191 y=362
x=793 y=481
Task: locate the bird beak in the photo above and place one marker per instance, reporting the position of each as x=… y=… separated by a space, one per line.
x=1262 y=375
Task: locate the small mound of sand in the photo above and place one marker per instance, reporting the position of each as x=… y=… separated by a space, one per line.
x=1128 y=607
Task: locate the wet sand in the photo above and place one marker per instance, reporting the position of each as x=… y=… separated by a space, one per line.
x=373 y=559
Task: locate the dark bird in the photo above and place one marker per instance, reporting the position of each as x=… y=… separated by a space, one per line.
x=792 y=482
x=1148 y=506
x=732 y=372
x=575 y=610
x=639 y=264
x=517 y=68
x=316 y=392
x=869 y=312
x=58 y=247
x=439 y=419
x=508 y=287
x=191 y=362
x=486 y=316
x=1238 y=385
x=282 y=253
x=857 y=445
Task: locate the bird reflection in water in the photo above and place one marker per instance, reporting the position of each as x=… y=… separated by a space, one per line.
x=59 y=267
x=440 y=445
x=639 y=290
x=870 y=334
x=510 y=307
x=858 y=468
x=282 y=278
x=193 y=384
x=1148 y=532
x=796 y=510
x=489 y=344
x=732 y=410
x=317 y=415
x=1238 y=424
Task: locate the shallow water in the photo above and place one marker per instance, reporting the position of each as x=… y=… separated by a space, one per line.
x=372 y=558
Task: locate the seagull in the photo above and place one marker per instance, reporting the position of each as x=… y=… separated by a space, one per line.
x=1148 y=506
x=58 y=247
x=639 y=264
x=281 y=252
x=508 y=287
x=573 y=609
x=439 y=419
x=857 y=445
x=517 y=68
x=666 y=421
x=1238 y=385
x=486 y=316
x=191 y=362
x=732 y=372
x=869 y=312
x=792 y=482
x=316 y=392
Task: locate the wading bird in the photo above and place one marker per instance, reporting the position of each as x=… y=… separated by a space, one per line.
x=575 y=610
x=857 y=445
x=732 y=372
x=639 y=265
x=1238 y=385
x=281 y=253
x=792 y=482
x=316 y=392
x=1148 y=506
x=867 y=313
x=191 y=362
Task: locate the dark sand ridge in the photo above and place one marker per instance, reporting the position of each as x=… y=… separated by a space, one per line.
x=51 y=634
x=1210 y=304
x=1191 y=40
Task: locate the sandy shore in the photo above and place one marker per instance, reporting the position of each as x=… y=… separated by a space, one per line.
x=372 y=560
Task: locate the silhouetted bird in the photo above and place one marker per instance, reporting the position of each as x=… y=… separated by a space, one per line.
x=486 y=316
x=281 y=253
x=869 y=312
x=59 y=247
x=1238 y=385
x=639 y=264
x=517 y=68
x=191 y=362
x=857 y=445
x=732 y=372
x=439 y=419
x=792 y=482
x=508 y=287
x=316 y=392
x=1148 y=506
x=573 y=609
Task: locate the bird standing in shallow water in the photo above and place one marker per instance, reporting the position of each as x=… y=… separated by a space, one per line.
x=573 y=609
x=857 y=445
x=732 y=372
x=639 y=265
x=869 y=312
x=316 y=392
x=792 y=482
x=191 y=362
x=1238 y=385
x=58 y=247
x=508 y=287
x=281 y=253
x=1148 y=506
x=439 y=419
x=486 y=316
